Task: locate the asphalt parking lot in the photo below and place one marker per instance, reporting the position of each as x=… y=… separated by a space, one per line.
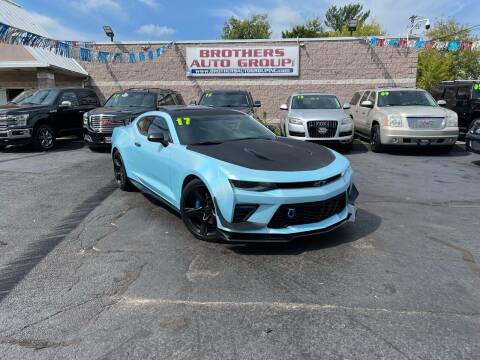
x=88 y=271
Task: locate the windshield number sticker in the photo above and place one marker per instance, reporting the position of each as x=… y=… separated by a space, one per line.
x=384 y=93
x=300 y=97
x=181 y=121
x=125 y=95
x=476 y=87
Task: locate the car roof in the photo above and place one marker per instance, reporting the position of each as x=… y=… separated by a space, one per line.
x=312 y=93
x=240 y=91
x=196 y=110
x=392 y=89
x=149 y=90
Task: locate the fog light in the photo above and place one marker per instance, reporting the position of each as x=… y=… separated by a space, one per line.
x=395 y=140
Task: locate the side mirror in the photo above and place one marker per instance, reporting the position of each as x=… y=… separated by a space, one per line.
x=257 y=103
x=367 y=103
x=160 y=137
x=346 y=106
x=284 y=107
x=271 y=127
x=441 y=102
x=193 y=102
x=66 y=104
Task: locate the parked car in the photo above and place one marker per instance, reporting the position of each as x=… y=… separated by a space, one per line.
x=231 y=178
x=234 y=99
x=317 y=117
x=403 y=116
x=121 y=108
x=472 y=139
x=463 y=97
x=44 y=115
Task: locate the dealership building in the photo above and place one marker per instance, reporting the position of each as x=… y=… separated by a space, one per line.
x=270 y=69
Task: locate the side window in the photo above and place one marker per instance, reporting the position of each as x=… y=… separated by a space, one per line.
x=159 y=124
x=437 y=92
x=355 y=99
x=86 y=97
x=365 y=96
x=180 y=100
x=372 y=97
x=463 y=93
x=450 y=92
x=289 y=102
x=69 y=96
x=144 y=124
x=166 y=100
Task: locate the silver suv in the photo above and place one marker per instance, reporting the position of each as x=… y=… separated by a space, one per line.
x=318 y=117
x=403 y=116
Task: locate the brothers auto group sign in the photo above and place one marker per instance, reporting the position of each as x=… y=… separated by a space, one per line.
x=243 y=61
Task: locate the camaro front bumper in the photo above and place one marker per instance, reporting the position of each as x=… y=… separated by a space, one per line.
x=259 y=231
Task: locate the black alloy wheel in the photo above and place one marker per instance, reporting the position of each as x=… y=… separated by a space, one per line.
x=120 y=173
x=198 y=211
x=43 y=138
x=375 y=139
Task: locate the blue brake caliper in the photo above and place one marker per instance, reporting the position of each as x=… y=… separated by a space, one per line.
x=198 y=204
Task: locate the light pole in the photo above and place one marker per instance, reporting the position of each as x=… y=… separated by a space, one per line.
x=109 y=32
x=352 y=26
x=415 y=22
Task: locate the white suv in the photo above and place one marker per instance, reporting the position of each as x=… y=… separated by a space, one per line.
x=403 y=116
x=317 y=117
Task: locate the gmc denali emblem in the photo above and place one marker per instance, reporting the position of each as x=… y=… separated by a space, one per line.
x=107 y=122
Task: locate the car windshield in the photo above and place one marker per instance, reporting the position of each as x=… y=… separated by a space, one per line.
x=225 y=99
x=476 y=91
x=39 y=97
x=212 y=129
x=131 y=99
x=315 y=102
x=405 y=98
x=24 y=94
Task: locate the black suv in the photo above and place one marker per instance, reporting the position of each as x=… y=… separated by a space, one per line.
x=120 y=109
x=44 y=115
x=463 y=97
x=236 y=99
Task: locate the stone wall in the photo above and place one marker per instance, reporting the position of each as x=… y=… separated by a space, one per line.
x=341 y=66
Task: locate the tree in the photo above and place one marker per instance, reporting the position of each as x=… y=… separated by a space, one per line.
x=312 y=29
x=435 y=66
x=337 y=18
x=371 y=29
x=257 y=27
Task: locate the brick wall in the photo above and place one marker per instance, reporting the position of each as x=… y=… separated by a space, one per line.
x=338 y=66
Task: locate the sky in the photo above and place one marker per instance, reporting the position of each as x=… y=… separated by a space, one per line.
x=193 y=20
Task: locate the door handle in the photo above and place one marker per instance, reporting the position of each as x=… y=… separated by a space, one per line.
x=138 y=144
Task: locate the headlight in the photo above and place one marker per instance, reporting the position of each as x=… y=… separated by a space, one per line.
x=394 y=120
x=295 y=121
x=252 y=185
x=347 y=121
x=85 y=119
x=452 y=119
x=19 y=120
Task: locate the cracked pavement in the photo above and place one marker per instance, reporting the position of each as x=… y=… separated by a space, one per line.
x=90 y=272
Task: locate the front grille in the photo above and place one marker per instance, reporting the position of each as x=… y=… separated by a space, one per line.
x=307 y=213
x=322 y=129
x=105 y=123
x=5 y=122
x=425 y=123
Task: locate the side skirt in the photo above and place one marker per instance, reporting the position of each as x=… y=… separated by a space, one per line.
x=153 y=194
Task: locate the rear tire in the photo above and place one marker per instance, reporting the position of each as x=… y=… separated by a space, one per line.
x=376 y=140
x=198 y=211
x=120 y=173
x=43 y=138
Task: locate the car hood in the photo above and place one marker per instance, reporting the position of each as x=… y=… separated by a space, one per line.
x=15 y=108
x=120 y=111
x=280 y=154
x=427 y=111
x=318 y=114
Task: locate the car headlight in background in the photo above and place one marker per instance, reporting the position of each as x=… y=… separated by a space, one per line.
x=347 y=121
x=252 y=185
x=452 y=119
x=85 y=119
x=295 y=121
x=394 y=121
x=19 y=120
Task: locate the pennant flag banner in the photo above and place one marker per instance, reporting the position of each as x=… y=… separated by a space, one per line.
x=424 y=44
x=84 y=51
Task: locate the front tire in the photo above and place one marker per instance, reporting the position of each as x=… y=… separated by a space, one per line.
x=43 y=138
x=120 y=173
x=375 y=140
x=198 y=211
